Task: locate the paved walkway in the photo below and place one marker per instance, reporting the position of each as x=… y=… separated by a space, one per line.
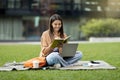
x=35 y=43
x=38 y=43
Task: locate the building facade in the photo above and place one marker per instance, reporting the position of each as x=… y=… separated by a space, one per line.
x=27 y=19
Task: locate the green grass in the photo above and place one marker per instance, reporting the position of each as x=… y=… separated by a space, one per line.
x=109 y=52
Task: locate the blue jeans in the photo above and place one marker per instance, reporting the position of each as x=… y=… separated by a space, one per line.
x=54 y=58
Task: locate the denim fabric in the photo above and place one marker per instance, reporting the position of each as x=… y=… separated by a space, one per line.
x=56 y=50
x=55 y=58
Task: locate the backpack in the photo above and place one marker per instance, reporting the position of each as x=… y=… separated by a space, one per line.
x=41 y=60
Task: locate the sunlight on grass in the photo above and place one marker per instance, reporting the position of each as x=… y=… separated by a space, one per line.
x=108 y=52
x=18 y=52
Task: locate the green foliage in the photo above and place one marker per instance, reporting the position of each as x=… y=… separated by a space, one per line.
x=101 y=28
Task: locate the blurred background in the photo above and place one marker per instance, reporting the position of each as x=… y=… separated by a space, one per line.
x=25 y=20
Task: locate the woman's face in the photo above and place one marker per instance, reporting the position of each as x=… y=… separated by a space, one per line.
x=56 y=25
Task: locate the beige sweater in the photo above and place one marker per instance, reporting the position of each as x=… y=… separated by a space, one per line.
x=45 y=43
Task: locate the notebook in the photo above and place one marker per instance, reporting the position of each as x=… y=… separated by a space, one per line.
x=69 y=49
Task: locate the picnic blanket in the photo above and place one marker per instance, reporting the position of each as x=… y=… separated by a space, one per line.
x=10 y=66
x=80 y=65
x=87 y=65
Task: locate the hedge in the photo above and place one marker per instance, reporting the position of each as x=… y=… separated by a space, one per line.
x=101 y=28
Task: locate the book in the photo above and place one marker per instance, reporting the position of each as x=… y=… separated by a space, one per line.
x=57 y=42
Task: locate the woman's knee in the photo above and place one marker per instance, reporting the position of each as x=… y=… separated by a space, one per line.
x=79 y=54
x=52 y=58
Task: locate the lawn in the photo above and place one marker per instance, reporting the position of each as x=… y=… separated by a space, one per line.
x=109 y=52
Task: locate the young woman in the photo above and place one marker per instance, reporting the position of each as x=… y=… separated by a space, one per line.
x=52 y=54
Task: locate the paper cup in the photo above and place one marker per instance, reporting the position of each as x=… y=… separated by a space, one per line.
x=35 y=64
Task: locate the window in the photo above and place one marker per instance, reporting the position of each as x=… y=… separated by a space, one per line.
x=11 y=3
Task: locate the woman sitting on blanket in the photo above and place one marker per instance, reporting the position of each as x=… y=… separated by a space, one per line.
x=52 y=54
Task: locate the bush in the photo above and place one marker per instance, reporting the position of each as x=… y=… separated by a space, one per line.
x=101 y=28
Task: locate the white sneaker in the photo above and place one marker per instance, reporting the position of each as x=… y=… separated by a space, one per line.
x=57 y=65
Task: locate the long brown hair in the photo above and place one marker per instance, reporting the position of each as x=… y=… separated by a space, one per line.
x=51 y=20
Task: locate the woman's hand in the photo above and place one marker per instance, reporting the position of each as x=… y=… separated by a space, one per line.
x=60 y=47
